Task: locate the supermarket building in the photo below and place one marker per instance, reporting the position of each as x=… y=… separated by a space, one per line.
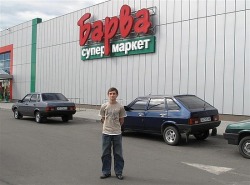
x=196 y=47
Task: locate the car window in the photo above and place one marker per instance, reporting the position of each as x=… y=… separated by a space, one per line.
x=53 y=96
x=33 y=98
x=193 y=102
x=172 y=105
x=38 y=98
x=139 y=105
x=26 y=98
x=157 y=104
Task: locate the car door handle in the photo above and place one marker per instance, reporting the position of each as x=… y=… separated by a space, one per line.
x=162 y=115
x=140 y=114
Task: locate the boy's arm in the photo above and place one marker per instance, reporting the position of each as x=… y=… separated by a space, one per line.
x=102 y=120
x=121 y=120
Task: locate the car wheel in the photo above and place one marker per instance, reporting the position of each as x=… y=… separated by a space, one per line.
x=17 y=115
x=171 y=135
x=65 y=118
x=244 y=147
x=202 y=135
x=38 y=117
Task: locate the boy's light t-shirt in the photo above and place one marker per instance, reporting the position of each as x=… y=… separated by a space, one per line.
x=112 y=113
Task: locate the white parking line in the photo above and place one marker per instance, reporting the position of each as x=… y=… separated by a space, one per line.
x=217 y=170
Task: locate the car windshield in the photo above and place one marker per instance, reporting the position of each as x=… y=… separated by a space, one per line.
x=53 y=96
x=193 y=102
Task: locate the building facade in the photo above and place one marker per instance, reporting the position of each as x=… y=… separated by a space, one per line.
x=201 y=47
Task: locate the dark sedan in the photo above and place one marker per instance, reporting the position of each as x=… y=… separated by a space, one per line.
x=44 y=105
x=171 y=116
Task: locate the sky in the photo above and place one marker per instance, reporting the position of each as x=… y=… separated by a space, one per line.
x=14 y=12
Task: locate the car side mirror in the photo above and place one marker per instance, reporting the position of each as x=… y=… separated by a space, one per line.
x=127 y=108
x=19 y=101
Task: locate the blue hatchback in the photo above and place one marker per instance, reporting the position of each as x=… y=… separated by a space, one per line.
x=171 y=116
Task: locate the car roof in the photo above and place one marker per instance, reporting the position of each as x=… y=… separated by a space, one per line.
x=164 y=96
x=44 y=93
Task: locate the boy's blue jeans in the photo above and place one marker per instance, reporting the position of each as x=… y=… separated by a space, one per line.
x=107 y=142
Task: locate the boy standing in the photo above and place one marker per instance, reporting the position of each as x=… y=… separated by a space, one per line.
x=112 y=114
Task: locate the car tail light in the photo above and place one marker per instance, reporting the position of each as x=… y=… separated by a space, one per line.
x=193 y=121
x=72 y=108
x=47 y=109
x=216 y=117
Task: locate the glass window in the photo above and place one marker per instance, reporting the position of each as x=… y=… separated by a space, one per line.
x=5 y=62
x=139 y=105
x=193 y=102
x=1 y=65
x=33 y=98
x=53 y=96
x=7 y=56
x=157 y=104
x=172 y=105
x=27 y=98
x=7 y=70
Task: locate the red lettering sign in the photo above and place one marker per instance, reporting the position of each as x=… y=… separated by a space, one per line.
x=143 y=24
x=84 y=28
x=109 y=29
x=126 y=21
x=97 y=34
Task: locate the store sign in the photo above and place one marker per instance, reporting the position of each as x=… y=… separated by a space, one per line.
x=121 y=48
x=100 y=31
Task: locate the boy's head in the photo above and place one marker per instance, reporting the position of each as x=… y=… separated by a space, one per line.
x=112 y=93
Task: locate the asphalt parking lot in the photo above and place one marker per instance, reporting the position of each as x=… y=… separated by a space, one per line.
x=56 y=153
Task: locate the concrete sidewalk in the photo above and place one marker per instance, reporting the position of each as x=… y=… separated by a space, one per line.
x=93 y=114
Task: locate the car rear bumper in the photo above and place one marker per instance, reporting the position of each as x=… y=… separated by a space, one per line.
x=57 y=113
x=232 y=138
x=198 y=127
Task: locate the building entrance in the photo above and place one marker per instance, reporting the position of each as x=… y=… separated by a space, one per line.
x=5 y=90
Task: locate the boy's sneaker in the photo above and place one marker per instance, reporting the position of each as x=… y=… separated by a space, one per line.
x=119 y=176
x=104 y=176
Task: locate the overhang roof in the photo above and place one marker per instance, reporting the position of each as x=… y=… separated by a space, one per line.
x=4 y=75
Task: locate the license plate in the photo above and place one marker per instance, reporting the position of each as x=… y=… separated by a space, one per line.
x=62 y=108
x=205 y=119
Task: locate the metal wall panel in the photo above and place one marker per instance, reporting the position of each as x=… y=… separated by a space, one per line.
x=211 y=7
x=220 y=6
x=170 y=11
x=155 y=56
x=169 y=59
x=155 y=67
x=185 y=9
x=241 y=4
x=238 y=75
x=161 y=50
x=177 y=10
x=162 y=10
x=192 y=80
x=229 y=63
x=247 y=67
x=230 y=5
x=177 y=58
x=210 y=60
x=202 y=8
x=193 y=9
x=201 y=72
x=184 y=68
x=38 y=73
